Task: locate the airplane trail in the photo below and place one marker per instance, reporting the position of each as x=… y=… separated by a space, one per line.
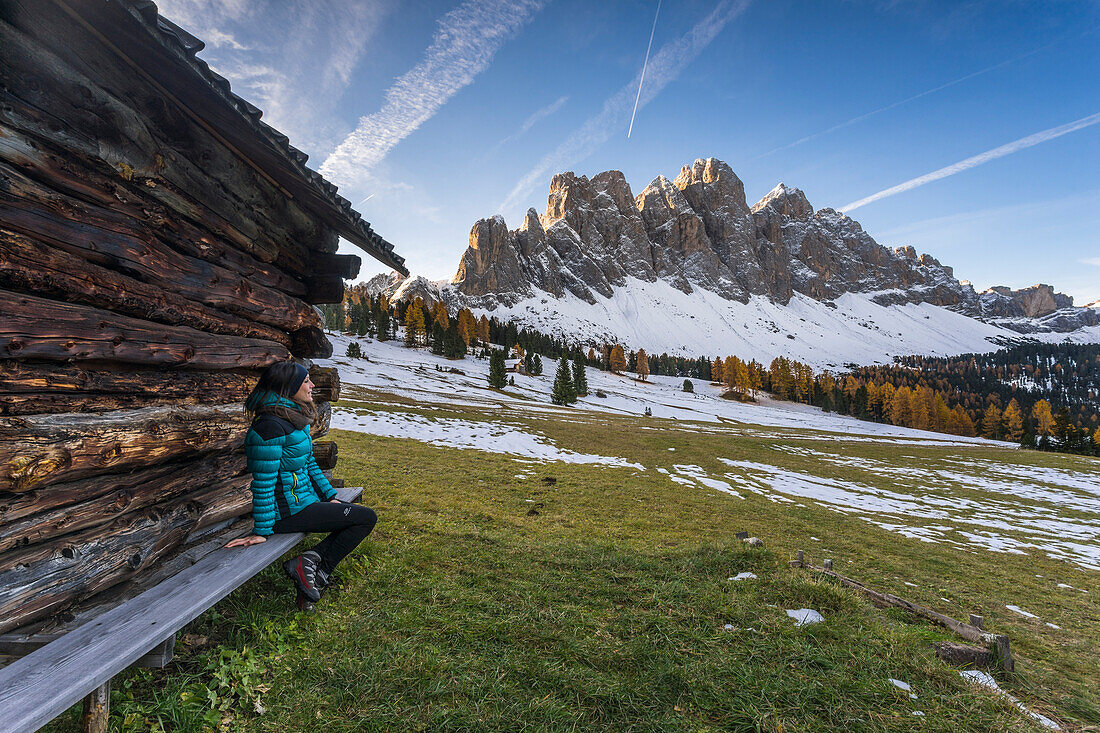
x=644 y=64
x=962 y=165
x=913 y=98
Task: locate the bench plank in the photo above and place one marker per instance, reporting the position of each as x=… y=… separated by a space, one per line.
x=37 y=688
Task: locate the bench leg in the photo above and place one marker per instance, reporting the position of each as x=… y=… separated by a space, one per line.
x=97 y=706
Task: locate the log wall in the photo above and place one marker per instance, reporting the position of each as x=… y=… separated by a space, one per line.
x=148 y=273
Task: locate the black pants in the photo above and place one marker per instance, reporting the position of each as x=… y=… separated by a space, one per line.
x=349 y=525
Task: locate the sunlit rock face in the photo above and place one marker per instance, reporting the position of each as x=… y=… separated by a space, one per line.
x=698 y=231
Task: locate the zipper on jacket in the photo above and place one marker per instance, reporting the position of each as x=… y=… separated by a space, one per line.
x=292 y=489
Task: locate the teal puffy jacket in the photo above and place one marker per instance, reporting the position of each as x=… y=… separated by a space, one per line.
x=285 y=476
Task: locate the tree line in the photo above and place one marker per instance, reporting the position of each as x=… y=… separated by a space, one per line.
x=1039 y=395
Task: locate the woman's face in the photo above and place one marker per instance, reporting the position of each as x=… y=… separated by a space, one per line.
x=304 y=393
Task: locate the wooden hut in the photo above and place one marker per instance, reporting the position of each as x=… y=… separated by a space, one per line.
x=159 y=245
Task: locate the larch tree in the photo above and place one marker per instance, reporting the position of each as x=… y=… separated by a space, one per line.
x=1043 y=417
x=617 y=359
x=718 y=370
x=1013 y=422
x=991 y=422
x=439 y=314
x=483 y=330
x=415 y=332
x=642 y=365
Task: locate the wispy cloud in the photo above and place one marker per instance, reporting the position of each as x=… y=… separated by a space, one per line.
x=292 y=60
x=463 y=46
x=536 y=117
x=963 y=165
x=1094 y=261
x=664 y=68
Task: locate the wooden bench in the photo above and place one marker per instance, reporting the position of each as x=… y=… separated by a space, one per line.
x=59 y=672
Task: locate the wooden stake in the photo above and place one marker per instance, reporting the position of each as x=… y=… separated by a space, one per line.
x=829 y=564
x=976 y=621
x=97 y=708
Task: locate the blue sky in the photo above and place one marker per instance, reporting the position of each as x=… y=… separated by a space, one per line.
x=443 y=113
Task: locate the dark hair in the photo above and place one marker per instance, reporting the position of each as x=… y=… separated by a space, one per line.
x=283 y=378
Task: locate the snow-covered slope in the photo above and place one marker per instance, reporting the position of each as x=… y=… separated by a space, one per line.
x=826 y=334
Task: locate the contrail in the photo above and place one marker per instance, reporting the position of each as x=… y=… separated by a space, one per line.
x=907 y=100
x=368 y=198
x=962 y=165
x=644 y=64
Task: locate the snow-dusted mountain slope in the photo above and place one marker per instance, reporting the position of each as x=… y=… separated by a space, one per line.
x=851 y=329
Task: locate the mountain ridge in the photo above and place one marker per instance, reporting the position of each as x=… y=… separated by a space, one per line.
x=597 y=242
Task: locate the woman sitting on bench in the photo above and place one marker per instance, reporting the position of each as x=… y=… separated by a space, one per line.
x=289 y=492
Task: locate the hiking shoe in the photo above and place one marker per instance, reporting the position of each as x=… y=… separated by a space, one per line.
x=303 y=571
x=304 y=604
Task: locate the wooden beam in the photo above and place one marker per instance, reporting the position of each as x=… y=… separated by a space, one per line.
x=29 y=517
x=326 y=383
x=310 y=343
x=31 y=266
x=114 y=241
x=40 y=450
x=36 y=328
x=324 y=452
x=186 y=226
x=28 y=388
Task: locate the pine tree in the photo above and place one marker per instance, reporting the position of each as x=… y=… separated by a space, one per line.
x=437 y=338
x=688 y=386
x=536 y=365
x=498 y=378
x=563 y=392
x=580 y=379
x=642 y=365
x=355 y=351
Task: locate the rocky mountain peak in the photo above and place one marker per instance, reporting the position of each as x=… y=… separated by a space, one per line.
x=789 y=202
x=697 y=231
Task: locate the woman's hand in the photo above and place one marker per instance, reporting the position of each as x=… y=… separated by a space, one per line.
x=246 y=541
x=335 y=501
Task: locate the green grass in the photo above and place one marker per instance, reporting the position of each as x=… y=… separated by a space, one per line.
x=606 y=609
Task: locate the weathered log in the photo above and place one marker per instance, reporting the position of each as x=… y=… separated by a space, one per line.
x=326 y=383
x=38 y=388
x=36 y=516
x=324 y=452
x=108 y=111
x=32 y=267
x=324 y=289
x=40 y=579
x=117 y=242
x=310 y=343
x=40 y=450
x=343 y=266
x=323 y=422
x=185 y=226
x=970 y=633
x=36 y=328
